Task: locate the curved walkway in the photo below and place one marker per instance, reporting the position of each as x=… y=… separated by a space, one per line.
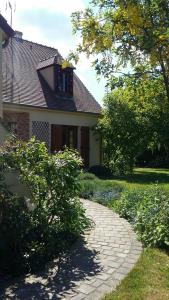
x=94 y=266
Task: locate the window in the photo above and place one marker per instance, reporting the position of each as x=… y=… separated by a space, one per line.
x=13 y=127
x=64 y=81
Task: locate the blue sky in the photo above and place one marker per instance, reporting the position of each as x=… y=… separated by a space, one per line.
x=48 y=22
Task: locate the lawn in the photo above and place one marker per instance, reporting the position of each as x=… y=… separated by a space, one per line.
x=150 y=277
x=149 y=280
x=143 y=177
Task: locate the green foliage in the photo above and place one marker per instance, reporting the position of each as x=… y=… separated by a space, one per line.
x=34 y=230
x=152 y=221
x=101 y=171
x=148 y=211
x=87 y=176
x=129 y=39
x=128 y=204
x=135 y=118
x=122 y=134
x=15 y=227
x=124 y=34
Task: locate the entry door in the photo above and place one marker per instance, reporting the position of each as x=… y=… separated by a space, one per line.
x=56 y=138
x=85 y=134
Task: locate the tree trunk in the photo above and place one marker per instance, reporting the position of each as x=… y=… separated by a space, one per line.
x=165 y=77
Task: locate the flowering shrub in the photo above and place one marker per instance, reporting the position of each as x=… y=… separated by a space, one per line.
x=37 y=228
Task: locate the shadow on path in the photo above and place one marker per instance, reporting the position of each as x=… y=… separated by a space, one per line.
x=61 y=276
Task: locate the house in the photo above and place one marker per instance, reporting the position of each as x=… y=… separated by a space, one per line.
x=5 y=33
x=43 y=97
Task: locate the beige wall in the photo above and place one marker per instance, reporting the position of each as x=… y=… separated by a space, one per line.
x=15 y=186
x=48 y=74
x=3 y=134
x=64 y=118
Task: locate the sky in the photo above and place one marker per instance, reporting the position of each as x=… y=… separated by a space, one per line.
x=48 y=22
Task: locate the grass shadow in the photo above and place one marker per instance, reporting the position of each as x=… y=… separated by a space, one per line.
x=146 y=176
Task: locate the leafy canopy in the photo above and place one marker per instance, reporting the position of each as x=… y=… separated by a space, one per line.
x=135 y=118
x=124 y=34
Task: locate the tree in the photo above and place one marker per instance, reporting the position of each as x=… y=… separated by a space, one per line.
x=135 y=118
x=125 y=33
x=122 y=133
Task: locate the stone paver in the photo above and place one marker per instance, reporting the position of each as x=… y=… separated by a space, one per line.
x=94 y=266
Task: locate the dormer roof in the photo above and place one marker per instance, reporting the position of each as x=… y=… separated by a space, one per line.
x=47 y=62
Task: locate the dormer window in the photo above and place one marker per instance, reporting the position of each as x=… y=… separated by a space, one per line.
x=58 y=74
x=64 y=81
x=65 y=84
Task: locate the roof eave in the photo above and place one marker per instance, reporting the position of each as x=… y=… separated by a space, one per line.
x=53 y=109
x=7 y=30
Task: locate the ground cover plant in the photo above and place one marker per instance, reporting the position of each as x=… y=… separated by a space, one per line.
x=99 y=190
x=35 y=229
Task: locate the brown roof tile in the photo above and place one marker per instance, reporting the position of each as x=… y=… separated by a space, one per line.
x=22 y=84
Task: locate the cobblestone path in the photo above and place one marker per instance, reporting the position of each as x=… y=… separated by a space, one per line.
x=93 y=267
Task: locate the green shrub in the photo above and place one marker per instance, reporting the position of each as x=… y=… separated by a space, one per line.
x=152 y=220
x=15 y=226
x=100 y=171
x=148 y=211
x=121 y=163
x=127 y=205
x=34 y=230
x=87 y=176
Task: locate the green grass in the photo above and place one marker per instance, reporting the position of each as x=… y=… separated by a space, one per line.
x=143 y=177
x=149 y=280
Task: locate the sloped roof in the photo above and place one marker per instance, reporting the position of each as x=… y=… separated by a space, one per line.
x=22 y=84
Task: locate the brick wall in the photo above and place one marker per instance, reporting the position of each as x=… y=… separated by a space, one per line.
x=22 y=120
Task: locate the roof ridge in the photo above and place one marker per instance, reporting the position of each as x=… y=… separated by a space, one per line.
x=38 y=44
